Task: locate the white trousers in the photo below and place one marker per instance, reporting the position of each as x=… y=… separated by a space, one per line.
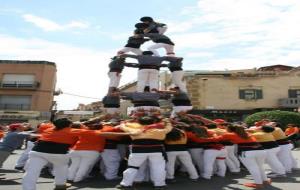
x=197 y=157
x=162 y=30
x=112 y=111
x=177 y=109
x=110 y=163
x=143 y=174
x=136 y=51
x=169 y=49
x=253 y=161
x=35 y=163
x=185 y=159
x=285 y=156
x=157 y=166
x=114 y=79
x=25 y=155
x=81 y=163
x=147 y=76
x=231 y=160
x=177 y=80
x=210 y=157
x=273 y=161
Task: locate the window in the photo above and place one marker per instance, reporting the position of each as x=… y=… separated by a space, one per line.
x=294 y=93
x=250 y=94
x=18 y=80
x=15 y=102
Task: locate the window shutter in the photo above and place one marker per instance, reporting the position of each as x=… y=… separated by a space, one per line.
x=292 y=93
x=259 y=94
x=242 y=94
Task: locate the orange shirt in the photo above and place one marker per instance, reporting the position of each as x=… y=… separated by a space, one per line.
x=1 y=134
x=234 y=138
x=291 y=130
x=65 y=136
x=90 y=140
x=109 y=128
x=44 y=126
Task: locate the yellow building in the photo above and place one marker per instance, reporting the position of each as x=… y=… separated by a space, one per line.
x=237 y=93
x=27 y=90
x=240 y=92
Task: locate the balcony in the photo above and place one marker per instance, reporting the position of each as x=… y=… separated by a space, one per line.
x=289 y=102
x=15 y=106
x=19 y=85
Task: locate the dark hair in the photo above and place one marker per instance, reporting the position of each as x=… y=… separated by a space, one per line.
x=147 y=53
x=146 y=120
x=239 y=130
x=200 y=132
x=211 y=126
x=147 y=89
x=76 y=125
x=141 y=25
x=174 y=135
x=62 y=123
x=138 y=31
x=94 y=126
x=267 y=129
x=83 y=119
x=146 y=19
x=277 y=124
x=230 y=128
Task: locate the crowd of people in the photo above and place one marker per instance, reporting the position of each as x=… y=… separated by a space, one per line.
x=152 y=146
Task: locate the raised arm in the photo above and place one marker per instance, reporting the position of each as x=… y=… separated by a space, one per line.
x=134 y=65
x=129 y=55
x=204 y=120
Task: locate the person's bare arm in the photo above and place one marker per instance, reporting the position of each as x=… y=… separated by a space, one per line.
x=204 y=120
x=129 y=55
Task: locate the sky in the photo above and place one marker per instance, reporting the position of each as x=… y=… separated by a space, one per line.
x=82 y=36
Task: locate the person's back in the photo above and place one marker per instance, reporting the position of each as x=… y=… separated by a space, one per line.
x=150 y=60
x=90 y=140
x=12 y=141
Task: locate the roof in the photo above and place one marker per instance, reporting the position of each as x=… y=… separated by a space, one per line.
x=27 y=62
x=276 y=68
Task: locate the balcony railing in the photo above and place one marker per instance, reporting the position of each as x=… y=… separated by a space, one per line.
x=19 y=84
x=289 y=102
x=15 y=106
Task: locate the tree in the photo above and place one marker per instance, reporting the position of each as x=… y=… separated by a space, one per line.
x=283 y=117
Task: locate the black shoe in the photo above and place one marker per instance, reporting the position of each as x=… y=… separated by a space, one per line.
x=123 y=187
x=171 y=181
x=19 y=168
x=159 y=187
x=194 y=180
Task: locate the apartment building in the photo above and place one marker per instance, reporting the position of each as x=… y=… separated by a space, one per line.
x=27 y=89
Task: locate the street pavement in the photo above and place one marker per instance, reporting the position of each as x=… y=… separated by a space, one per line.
x=10 y=179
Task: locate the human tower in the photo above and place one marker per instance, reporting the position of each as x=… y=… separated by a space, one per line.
x=148 y=63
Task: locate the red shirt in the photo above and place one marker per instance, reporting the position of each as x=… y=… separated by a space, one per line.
x=235 y=139
x=291 y=130
x=194 y=138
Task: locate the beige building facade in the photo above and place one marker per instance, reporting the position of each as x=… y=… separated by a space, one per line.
x=237 y=93
x=244 y=89
x=26 y=87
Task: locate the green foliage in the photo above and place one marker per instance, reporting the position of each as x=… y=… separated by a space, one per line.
x=284 y=117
